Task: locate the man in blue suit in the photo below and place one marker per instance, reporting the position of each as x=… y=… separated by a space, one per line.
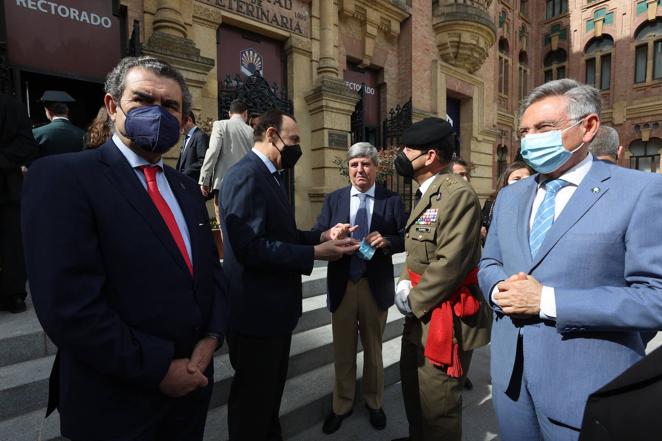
x=265 y=256
x=123 y=271
x=571 y=266
x=361 y=291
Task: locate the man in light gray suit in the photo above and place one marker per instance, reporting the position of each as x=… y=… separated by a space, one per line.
x=571 y=267
x=230 y=140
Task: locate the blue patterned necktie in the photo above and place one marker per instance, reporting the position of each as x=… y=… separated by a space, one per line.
x=358 y=266
x=545 y=215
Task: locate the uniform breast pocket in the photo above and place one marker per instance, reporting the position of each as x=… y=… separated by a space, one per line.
x=425 y=243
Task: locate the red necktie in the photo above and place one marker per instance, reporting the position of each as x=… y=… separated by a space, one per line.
x=164 y=210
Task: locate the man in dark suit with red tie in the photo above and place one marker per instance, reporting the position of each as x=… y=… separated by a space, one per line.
x=123 y=271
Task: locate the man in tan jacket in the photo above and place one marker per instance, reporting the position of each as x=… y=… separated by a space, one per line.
x=446 y=317
x=230 y=140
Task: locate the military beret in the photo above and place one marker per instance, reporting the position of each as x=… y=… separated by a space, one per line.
x=429 y=132
x=56 y=96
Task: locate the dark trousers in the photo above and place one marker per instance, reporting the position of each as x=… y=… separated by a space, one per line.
x=433 y=400
x=260 y=365
x=183 y=421
x=12 y=262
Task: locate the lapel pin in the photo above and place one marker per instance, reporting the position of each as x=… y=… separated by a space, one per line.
x=595 y=190
x=181 y=184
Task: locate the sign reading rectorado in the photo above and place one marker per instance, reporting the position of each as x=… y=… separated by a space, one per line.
x=291 y=15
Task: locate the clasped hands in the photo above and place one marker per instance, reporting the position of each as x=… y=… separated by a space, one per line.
x=187 y=374
x=519 y=296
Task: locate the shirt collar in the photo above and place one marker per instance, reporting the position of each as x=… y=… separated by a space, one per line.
x=60 y=117
x=132 y=157
x=270 y=165
x=426 y=184
x=370 y=192
x=576 y=174
x=190 y=132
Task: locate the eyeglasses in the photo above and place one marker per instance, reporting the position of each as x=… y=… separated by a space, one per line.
x=547 y=126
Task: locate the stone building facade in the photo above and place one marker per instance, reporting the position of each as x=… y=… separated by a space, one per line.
x=362 y=69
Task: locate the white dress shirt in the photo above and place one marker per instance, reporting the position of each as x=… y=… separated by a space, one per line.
x=426 y=184
x=354 y=202
x=136 y=161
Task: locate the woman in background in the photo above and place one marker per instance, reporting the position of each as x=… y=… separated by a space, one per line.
x=514 y=172
x=99 y=130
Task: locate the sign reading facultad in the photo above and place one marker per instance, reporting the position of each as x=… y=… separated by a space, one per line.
x=65 y=11
x=291 y=15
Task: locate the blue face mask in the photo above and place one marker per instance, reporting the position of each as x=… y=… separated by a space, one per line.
x=152 y=128
x=544 y=152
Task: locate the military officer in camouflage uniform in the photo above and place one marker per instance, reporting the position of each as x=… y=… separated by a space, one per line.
x=446 y=316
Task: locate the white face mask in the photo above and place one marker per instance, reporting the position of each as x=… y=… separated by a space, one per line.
x=544 y=152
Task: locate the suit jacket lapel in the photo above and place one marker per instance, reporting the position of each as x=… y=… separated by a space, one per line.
x=129 y=185
x=378 y=209
x=522 y=216
x=344 y=205
x=274 y=185
x=190 y=209
x=590 y=190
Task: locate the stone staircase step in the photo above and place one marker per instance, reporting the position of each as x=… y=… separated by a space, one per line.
x=24 y=386
x=307 y=397
x=310 y=350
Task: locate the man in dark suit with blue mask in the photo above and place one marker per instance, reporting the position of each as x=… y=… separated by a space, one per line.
x=265 y=256
x=124 y=273
x=360 y=287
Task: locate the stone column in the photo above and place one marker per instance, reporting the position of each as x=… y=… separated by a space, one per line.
x=328 y=65
x=168 y=41
x=168 y=18
x=330 y=105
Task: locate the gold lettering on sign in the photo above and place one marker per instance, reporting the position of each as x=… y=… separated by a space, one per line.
x=291 y=15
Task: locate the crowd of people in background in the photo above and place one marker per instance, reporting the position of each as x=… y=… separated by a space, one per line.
x=557 y=269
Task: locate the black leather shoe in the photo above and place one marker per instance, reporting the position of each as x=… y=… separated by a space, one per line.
x=14 y=305
x=377 y=418
x=468 y=385
x=333 y=422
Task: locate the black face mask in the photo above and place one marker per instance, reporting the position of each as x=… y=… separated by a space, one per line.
x=289 y=154
x=404 y=166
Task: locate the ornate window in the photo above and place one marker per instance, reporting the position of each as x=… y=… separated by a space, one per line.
x=555 y=8
x=555 y=64
x=504 y=66
x=523 y=75
x=524 y=8
x=646 y=155
x=648 y=52
x=598 y=62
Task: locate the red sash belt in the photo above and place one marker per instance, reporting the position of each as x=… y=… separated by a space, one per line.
x=439 y=347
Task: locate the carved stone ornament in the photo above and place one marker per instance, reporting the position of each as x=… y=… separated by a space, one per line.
x=465 y=32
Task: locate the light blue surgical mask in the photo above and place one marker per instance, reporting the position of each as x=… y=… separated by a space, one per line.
x=544 y=152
